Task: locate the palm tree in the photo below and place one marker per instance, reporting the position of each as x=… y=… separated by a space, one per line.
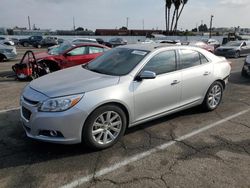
x=168 y=6
x=183 y=2
x=177 y=4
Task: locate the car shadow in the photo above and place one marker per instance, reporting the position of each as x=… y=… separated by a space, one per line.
x=236 y=78
x=18 y=150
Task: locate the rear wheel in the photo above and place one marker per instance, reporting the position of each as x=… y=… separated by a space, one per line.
x=104 y=127
x=213 y=97
x=237 y=54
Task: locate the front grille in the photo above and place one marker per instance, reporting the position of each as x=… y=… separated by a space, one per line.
x=26 y=113
x=30 y=101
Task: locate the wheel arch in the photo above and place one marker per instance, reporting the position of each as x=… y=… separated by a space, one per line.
x=52 y=64
x=222 y=82
x=116 y=103
x=4 y=56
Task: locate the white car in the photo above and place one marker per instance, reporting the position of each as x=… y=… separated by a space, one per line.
x=7 y=52
x=6 y=41
x=126 y=86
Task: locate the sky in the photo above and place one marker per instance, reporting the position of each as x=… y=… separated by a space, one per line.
x=111 y=14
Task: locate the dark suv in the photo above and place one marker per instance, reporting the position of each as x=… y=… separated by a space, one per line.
x=30 y=41
x=46 y=42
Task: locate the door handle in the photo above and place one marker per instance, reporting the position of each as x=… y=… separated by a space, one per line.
x=175 y=82
x=207 y=73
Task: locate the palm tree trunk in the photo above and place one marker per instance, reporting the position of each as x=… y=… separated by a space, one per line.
x=177 y=20
x=166 y=18
x=172 y=23
x=169 y=11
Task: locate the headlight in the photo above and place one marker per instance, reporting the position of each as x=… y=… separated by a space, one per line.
x=8 y=50
x=60 y=104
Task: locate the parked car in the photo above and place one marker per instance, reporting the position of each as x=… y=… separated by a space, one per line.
x=202 y=45
x=234 y=49
x=246 y=68
x=124 y=87
x=212 y=42
x=176 y=42
x=83 y=40
x=30 y=41
x=100 y=40
x=6 y=41
x=114 y=42
x=68 y=55
x=76 y=41
x=7 y=52
x=15 y=40
x=46 y=42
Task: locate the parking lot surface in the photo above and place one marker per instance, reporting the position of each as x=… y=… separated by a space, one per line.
x=187 y=149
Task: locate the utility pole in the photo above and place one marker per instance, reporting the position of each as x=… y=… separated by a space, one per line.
x=29 y=22
x=127 y=19
x=74 y=25
x=211 y=25
x=143 y=24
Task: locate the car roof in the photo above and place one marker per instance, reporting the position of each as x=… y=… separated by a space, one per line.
x=146 y=47
x=90 y=39
x=88 y=44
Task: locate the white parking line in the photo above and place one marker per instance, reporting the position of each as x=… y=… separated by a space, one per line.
x=8 y=110
x=142 y=155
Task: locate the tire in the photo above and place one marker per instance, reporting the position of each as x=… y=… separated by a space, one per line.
x=237 y=55
x=98 y=136
x=2 y=58
x=25 y=44
x=244 y=73
x=213 y=97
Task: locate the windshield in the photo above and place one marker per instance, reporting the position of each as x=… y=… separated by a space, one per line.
x=233 y=44
x=60 y=49
x=117 y=62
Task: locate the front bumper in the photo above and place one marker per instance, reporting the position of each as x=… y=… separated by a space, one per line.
x=11 y=55
x=68 y=123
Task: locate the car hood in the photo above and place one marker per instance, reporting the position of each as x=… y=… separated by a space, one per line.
x=72 y=81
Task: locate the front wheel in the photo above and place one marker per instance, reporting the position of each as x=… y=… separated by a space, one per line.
x=213 y=97
x=2 y=58
x=104 y=127
x=244 y=73
x=25 y=44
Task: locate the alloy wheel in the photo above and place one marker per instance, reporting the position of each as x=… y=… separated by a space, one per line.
x=214 y=96
x=106 y=127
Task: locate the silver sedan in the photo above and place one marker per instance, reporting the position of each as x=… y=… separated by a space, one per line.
x=125 y=87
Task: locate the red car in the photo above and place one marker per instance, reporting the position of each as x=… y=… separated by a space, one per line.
x=203 y=45
x=60 y=57
x=68 y=55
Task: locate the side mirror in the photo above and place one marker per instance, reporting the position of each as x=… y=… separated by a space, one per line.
x=146 y=75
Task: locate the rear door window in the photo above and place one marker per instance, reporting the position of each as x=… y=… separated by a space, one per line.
x=191 y=58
